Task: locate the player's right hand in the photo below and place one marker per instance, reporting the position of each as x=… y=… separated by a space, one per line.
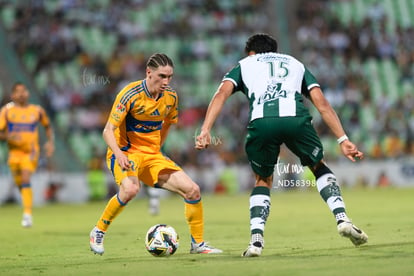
x=123 y=161
x=203 y=140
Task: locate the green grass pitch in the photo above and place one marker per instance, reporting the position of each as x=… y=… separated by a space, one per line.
x=300 y=237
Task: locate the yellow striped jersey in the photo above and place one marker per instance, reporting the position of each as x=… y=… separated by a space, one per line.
x=21 y=125
x=139 y=117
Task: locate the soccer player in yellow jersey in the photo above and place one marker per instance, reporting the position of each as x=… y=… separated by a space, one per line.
x=19 y=122
x=137 y=127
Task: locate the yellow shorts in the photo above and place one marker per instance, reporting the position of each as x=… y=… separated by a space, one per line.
x=19 y=161
x=143 y=165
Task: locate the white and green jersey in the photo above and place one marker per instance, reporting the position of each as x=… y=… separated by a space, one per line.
x=274 y=84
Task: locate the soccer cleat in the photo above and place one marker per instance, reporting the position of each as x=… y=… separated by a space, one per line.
x=255 y=246
x=349 y=230
x=27 y=220
x=96 y=239
x=203 y=248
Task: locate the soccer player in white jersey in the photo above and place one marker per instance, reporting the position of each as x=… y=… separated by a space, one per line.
x=275 y=84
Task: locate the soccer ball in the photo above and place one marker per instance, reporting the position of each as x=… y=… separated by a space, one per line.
x=161 y=240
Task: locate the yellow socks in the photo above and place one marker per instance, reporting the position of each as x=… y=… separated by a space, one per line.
x=27 y=198
x=194 y=216
x=112 y=210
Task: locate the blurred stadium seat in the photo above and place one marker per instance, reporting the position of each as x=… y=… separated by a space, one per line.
x=85 y=46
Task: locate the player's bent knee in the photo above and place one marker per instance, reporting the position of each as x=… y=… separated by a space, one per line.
x=193 y=193
x=129 y=193
x=129 y=190
x=179 y=182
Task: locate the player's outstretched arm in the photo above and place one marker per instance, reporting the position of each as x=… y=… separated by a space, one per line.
x=224 y=91
x=164 y=132
x=50 y=143
x=330 y=117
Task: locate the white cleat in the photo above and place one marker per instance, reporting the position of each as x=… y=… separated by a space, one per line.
x=252 y=251
x=27 y=220
x=349 y=230
x=204 y=248
x=96 y=239
x=255 y=247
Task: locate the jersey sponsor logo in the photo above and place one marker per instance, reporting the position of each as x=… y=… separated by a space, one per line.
x=142 y=127
x=19 y=127
x=266 y=58
x=273 y=92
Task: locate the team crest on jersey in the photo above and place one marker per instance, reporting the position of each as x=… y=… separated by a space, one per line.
x=120 y=108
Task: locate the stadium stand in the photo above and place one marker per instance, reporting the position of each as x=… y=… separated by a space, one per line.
x=362 y=53
x=80 y=53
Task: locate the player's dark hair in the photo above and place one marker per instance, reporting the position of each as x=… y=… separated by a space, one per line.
x=158 y=59
x=15 y=85
x=261 y=43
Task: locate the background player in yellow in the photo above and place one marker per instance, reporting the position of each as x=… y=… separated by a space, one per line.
x=137 y=127
x=19 y=122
